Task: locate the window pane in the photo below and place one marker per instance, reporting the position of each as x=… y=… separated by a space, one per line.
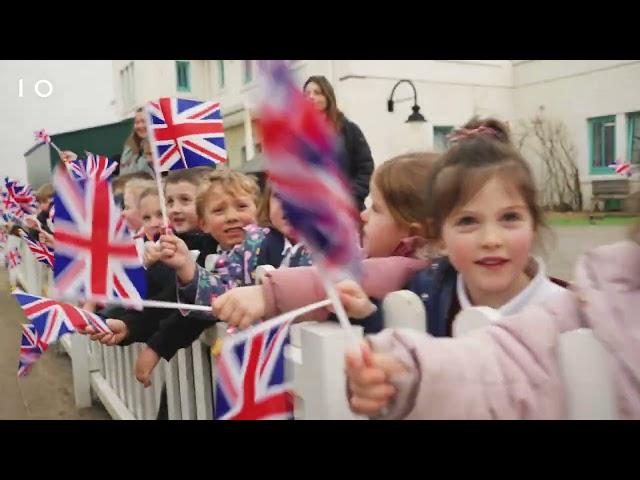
x=221 y=73
x=635 y=139
x=440 y=142
x=597 y=144
x=182 y=75
x=609 y=144
x=248 y=70
x=132 y=85
x=123 y=86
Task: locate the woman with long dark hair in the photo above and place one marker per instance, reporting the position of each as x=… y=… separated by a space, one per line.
x=356 y=161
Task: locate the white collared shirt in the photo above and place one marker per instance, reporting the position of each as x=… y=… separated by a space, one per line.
x=288 y=251
x=540 y=288
x=211 y=259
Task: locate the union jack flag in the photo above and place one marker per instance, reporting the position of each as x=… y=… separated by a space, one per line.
x=13 y=258
x=95 y=255
x=624 y=168
x=92 y=166
x=31 y=349
x=18 y=199
x=42 y=136
x=49 y=320
x=52 y=215
x=3 y=201
x=186 y=133
x=41 y=251
x=251 y=381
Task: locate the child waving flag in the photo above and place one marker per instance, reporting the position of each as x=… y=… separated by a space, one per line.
x=301 y=152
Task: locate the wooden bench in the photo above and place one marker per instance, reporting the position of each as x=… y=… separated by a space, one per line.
x=614 y=189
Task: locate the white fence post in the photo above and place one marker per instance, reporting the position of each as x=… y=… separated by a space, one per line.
x=185 y=375
x=129 y=380
x=323 y=380
x=293 y=367
x=585 y=366
x=202 y=381
x=404 y=309
x=158 y=382
x=586 y=370
x=471 y=319
x=120 y=371
x=80 y=369
x=173 y=390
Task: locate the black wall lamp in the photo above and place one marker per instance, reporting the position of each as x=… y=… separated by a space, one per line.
x=416 y=116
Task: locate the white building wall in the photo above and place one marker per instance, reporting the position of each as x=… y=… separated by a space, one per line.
x=574 y=91
x=448 y=92
x=38 y=164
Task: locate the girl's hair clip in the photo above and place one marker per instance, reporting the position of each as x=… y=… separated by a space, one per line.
x=464 y=133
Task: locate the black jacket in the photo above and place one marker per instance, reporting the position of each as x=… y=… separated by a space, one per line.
x=165 y=330
x=356 y=160
x=42 y=217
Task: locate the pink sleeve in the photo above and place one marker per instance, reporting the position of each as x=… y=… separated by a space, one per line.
x=289 y=288
x=504 y=371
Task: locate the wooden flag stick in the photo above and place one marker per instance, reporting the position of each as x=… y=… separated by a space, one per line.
x=332 y=293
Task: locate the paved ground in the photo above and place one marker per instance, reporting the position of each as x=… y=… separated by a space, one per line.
x=567 y=243
x=47 y=393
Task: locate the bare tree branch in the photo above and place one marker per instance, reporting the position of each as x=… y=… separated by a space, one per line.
x=550 y=141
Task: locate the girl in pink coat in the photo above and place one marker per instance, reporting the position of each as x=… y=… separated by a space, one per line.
x=509 y=370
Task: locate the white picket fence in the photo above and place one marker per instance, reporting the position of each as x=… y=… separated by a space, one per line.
x=314 y=363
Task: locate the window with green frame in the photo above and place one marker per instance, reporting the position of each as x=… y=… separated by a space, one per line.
x=247 y=71
x=440 y=142
x=602 y=144
x=183 y=75
x=221 y=74
x=633 y=138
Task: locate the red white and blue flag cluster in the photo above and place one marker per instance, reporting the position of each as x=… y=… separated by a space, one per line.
x=96 y=258
x=95 y=255
x=40 y=250
x=49 y=320
x=18 y=200
x=92 y=166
